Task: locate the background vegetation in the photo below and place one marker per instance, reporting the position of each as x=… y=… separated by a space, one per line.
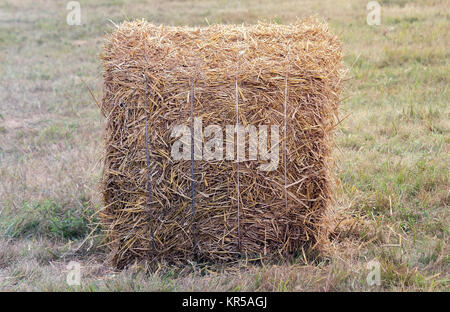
x=393 y=155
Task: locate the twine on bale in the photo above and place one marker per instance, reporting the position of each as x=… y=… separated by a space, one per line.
x=193 y=204
x=238 y=191
x=147 y=158
x=194 y=224
x=284 y=139
x=285 y=135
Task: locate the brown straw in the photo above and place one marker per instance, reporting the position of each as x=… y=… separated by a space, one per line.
x=194 y=214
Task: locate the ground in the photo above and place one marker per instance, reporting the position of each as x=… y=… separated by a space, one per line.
x=392 y=154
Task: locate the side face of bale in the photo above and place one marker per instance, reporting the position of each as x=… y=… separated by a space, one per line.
x=254 y=75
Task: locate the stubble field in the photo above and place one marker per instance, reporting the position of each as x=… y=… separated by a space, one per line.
x=392 y=154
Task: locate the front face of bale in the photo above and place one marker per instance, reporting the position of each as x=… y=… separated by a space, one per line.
x=258 y=75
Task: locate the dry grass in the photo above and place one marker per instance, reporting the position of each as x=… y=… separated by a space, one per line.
x=392 y=159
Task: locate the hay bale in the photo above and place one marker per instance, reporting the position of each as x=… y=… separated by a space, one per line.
x=255 y=75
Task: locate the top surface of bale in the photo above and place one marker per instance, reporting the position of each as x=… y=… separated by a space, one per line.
x=296 y=68
x=214 y=55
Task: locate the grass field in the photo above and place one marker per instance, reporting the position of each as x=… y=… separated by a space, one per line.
x=392 y=156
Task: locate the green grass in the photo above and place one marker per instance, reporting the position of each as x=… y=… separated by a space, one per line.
x=47 y=218
x=392 y=157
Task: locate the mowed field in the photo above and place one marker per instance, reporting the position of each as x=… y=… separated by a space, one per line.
x=392 y=155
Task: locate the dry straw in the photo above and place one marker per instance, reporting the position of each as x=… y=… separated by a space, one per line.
x=264 y=74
